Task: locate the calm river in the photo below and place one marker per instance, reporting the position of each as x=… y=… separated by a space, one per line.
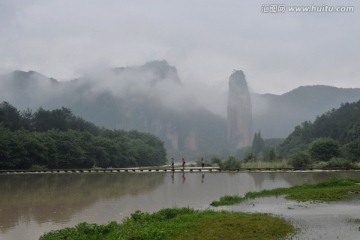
x=32 y=204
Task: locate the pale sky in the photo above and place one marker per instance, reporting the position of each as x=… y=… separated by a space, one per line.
x=204 y=39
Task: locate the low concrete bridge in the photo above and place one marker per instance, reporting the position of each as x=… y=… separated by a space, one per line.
x=116 y=170
x=165 y=169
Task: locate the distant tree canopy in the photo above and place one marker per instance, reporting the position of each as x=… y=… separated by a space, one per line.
x=324 y=149
x=333 y=134
x=258 y=143
x=58 y=139
x=43 y=120
x=263 y=150
x=10 y=117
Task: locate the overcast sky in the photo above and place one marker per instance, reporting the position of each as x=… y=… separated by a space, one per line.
x=204 y=39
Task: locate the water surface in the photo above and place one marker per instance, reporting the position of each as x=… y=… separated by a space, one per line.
x=31 y=204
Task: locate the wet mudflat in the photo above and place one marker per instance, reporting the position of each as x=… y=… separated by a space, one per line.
x=335 y=220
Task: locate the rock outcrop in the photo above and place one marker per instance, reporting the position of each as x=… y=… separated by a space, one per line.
x=239 y=115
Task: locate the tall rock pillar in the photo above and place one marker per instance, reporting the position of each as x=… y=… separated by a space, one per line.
x=239 y=116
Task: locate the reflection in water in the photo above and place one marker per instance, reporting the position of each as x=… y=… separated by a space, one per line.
x=261 y=180
x=57 y=197
x=33 y=204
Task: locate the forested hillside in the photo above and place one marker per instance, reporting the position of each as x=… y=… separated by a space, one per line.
x=277 y=115
x=58 y=139
x=333 y=134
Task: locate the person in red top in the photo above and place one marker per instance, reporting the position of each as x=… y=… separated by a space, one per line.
x=183 y=163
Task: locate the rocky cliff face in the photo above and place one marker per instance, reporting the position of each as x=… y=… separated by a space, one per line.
x=239 y=116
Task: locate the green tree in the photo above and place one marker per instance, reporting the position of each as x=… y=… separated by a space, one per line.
x=352 y=150
x=98 y=150
x=272 y=154
x=5 y=139
x=300 y=160
x=215 y=160
x=231 y=163
x=58 y=139
x=68 y=150
x=324 y=149
x=250 y=157
x=258 y=143
x=27 y=118
x=9 y=116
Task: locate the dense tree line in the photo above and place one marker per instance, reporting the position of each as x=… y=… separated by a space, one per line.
x=58 y=139
x=261 y=149
x=335 y=134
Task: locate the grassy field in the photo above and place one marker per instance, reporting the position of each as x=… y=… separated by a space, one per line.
x=181 y=223
x=332 y=190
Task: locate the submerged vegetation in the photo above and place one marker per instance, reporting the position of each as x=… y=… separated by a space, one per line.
x=357 y=221
x=227 y=200
x=181 y=223
x=332 y=190
x=186 y=223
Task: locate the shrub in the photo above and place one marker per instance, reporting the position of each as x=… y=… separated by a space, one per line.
x=352 y=150
x=324 y=149
x=250 y=157
x=300 y=160
x=216 y=160
x=231 y=163
x=339 y=163
x=38 y=168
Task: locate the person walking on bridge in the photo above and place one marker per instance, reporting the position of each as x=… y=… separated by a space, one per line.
x=172 y=164
x=183 y=163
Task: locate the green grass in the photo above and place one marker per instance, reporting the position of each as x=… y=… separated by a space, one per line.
x=181 y=223
x=261 y=164
x=327 y=191
x=227 y=200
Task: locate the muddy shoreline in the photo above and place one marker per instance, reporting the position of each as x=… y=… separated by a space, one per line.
x=335 y=220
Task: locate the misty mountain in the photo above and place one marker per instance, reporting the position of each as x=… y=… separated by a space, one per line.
x=148 y=98
x=151 y=98
x=341 y=124
x=277 y=115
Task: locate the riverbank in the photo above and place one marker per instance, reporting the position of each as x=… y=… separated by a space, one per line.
x=327 y=210
x=33 y=204
x=315 y=219
x=327 y=191
x=182 y=223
